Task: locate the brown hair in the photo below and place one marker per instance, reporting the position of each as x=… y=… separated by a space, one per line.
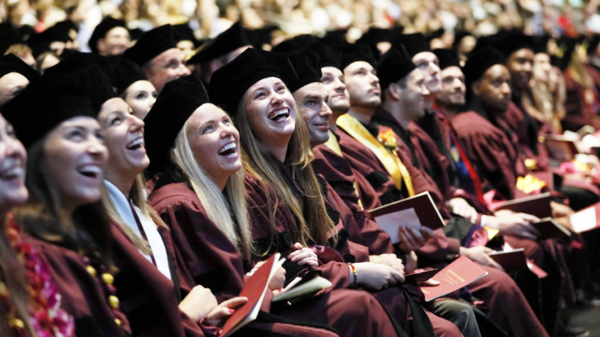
x=86 y=231
x=314 y=224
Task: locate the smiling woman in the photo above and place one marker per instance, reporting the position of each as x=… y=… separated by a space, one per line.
x=63 y=219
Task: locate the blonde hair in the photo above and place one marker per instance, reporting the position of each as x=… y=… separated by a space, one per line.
x=138 y=197
x=233 y=222
x=315 y=226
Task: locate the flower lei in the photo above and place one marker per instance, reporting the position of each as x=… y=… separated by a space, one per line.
x=45 y=315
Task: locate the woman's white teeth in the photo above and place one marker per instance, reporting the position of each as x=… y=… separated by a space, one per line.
x=15 y=172
x=90 y=171
x=276 y=114
x=135 y=143
x=228 y=150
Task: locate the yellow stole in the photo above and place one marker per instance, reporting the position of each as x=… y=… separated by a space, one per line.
x=391 y=161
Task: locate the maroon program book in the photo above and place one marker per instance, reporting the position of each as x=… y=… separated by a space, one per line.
x=454 y=276
x=254 y=290
x=560 y=147
x=550 y=229
x=416 y=211
x=511 y=260
x=538 y=205
x=421 y=275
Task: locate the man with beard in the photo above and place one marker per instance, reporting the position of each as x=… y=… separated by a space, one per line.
x=157 y=53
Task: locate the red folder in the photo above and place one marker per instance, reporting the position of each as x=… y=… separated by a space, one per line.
x=255 y=289
x=456 y=275
x=538 y=205
x=416 y=211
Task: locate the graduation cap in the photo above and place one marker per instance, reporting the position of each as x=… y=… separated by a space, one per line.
x=126 y=72
x=45 y=103
x=328 y=56
x=294 y=44
x=356 y=52
x=261 y=36
x=226 y=42
x=414 y=43
x=447 y=58
x=479 y=62
x=394 y=66
x=511 y=41
x=230 y=82
x=41 y=42
x=335 y=37
x=83 y=62
x=13 y=64
x=102 y=29
x=152 y=44
x=375 y=35
x=78 y=61
x=593 y=44
x=135 y=34
x=175 y=104
x=8 y=37
x=307 y=67
x=436 y=34
x=185 y=33
x=540 y=43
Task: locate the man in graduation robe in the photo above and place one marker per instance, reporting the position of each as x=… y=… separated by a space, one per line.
x=310 y=96
x=363 y=87
x=157 y=53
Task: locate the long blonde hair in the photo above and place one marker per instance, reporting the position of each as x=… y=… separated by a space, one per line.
x=138 y=197
x=314 y=225
x=234 y=222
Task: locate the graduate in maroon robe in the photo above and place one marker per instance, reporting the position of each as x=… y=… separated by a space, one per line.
x=148 y=284
x=67 y=225
x=362 y=107
x=212 y=253
x=28 y=289
x=310 y=100
x=278 y=228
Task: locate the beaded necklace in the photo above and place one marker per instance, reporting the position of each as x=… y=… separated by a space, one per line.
x=107 y=280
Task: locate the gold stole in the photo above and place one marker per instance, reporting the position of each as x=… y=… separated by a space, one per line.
x=391 y=161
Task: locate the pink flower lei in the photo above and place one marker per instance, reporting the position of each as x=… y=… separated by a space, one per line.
x=46 y=316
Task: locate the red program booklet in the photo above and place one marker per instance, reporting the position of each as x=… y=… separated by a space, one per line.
x=586 y=219
x=254 y=289
x=416 y=211
x=538 y=205
x=454 y=276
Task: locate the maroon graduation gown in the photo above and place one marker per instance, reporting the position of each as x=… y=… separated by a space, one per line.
x=259 y=197
x=488 y=149
x=220 y=268
x=578 y=112
x=148 y=298
x=82 y=294
x=496 y=286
